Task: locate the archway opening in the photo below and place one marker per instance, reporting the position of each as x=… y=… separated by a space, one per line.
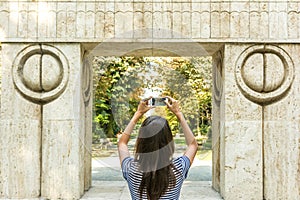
x=120 y=82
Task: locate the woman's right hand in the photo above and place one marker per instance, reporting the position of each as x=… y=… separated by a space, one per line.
x=173 y=105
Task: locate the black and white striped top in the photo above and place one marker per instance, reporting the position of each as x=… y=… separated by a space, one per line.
x=133 y=176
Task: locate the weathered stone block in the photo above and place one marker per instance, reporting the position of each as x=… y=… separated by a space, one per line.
x=293 y=21
x=177 y=24
x=124 y=24
x=255 y=143
x=195 y=17
x=142 y=25
x=57 y=21
x=20 y=128
x=240 y=137
x=47 y=20
x=63 y=144
x=32 y=17
x=99 y=27
x=215 y=24
x=46 y=152
x=282 y=139
x=63 y=159
x=109 y=26
x=20 y=158
x=216 y=115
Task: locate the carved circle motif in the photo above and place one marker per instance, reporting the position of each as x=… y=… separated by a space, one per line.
x=217 y=78
x=264 y=73
x=40 y=73
x=87 y=76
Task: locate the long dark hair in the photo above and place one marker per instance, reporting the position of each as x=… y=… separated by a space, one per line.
x=154 y=152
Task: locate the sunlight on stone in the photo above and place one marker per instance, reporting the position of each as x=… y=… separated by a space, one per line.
x=2 y=35
x=43 y=11
x=14 y=8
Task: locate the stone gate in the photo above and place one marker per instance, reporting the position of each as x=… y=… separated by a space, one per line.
x=45 y=85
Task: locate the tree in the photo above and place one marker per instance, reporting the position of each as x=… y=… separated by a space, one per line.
x=190 y=83
x=120 y=83
x=110 y=74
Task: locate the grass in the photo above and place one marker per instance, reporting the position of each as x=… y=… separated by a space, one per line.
x=179 y=141
x=204 y=152
x=204 y=155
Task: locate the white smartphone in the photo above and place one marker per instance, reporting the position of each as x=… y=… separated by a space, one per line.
x=157 y=101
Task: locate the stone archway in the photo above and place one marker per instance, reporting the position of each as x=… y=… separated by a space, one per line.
x=255 y=46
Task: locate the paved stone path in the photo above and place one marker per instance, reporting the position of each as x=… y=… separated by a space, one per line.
x=108 y=182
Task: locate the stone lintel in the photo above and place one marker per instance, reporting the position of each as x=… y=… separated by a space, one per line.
x=90 y=21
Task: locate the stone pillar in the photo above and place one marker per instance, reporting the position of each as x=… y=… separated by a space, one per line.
x=259 y=122
x=217 y=95
x=63 y=139
x=20 y=128
x=240 y=135
x=0 y=75
x=87 y=88
x=281 y=128
x=43 y=117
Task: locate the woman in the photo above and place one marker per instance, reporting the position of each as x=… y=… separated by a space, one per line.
x=153 y=173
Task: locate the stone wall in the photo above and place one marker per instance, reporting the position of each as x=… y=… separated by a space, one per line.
x=45 y=122
x=45 y=111
x=0 y=73
x=96 y=21
x=259 y=122
x=218 y=73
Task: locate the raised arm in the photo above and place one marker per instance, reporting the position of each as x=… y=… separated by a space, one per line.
x=190 y=140
x=122 y=144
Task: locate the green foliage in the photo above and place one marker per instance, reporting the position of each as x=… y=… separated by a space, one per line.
x=108 y=74
x=191 y=85
x=120 y=83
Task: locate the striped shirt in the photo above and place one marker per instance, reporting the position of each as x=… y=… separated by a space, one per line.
x=133 y=176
